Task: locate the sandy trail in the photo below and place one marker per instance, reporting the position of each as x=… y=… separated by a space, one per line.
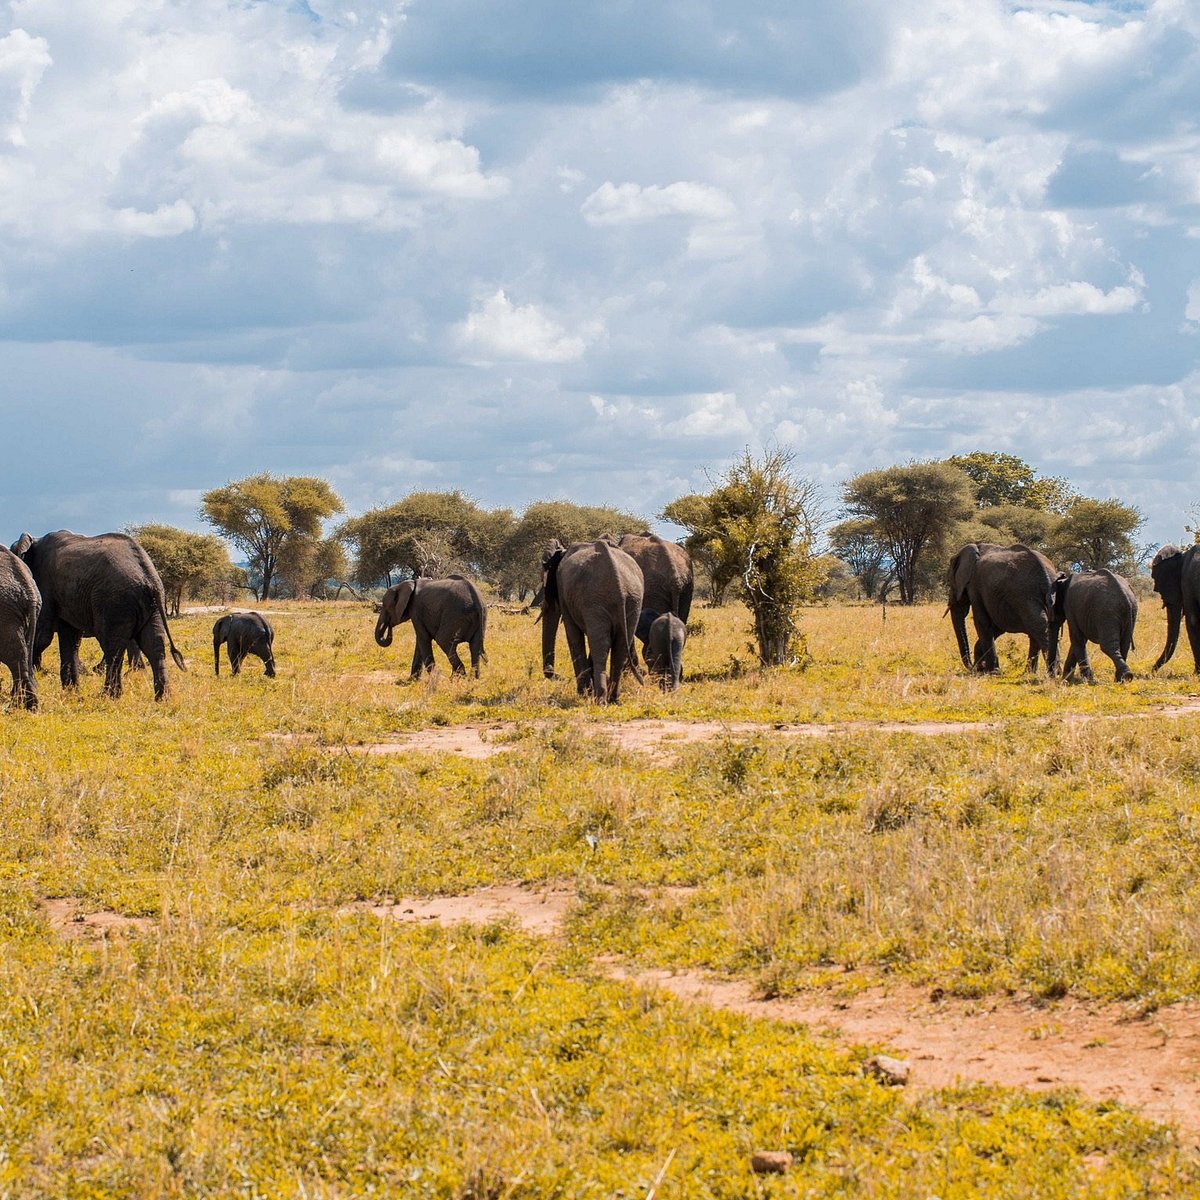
x=1103 y=1051
x=482 y=741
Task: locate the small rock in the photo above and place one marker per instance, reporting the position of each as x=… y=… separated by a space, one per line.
x=892 y=1071
x=770 y=1162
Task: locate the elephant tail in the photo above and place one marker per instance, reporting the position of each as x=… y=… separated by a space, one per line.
x=627 y=640
x=180 y=661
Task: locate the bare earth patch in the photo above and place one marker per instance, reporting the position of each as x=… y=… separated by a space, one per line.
x=538 y=911
x=65 y=915
x=484 y=741
x=1103 y=1051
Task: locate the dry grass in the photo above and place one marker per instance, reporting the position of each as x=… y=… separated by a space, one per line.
x=254 y=1042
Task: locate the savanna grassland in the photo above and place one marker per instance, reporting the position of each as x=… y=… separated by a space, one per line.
x=256 y=1036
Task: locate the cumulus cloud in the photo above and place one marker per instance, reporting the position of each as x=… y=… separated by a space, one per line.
x=448 y=243
x=623 y=204
x=497 y=330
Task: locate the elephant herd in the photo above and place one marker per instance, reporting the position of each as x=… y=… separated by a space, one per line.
x=603 y=593
x=104 y=587
x=606 y=594
x=1013 y=589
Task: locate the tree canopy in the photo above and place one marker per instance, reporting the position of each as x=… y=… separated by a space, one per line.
x=186 y=562
x=914 y=509
x=1095 y=534
x=1006 y=480
x=756 y=529
x=271 y=519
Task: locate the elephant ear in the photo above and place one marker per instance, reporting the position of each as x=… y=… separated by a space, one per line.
x=550 y=563
x=1167 y=572
x=1058 y=595
x=408 y=601
x=962 y=567
x=23 y=545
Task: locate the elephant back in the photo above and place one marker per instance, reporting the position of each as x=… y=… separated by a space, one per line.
x=667 y=574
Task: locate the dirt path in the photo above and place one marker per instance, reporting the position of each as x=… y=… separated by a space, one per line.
x=1103 y=1051
x=484 y=741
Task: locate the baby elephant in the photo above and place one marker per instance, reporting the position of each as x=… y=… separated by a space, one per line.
x=663 y=638
x=1096 y=606
x=244 y=633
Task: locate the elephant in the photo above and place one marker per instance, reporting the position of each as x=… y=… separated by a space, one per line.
x=1176 y=575
x=1096 y=606
x=663 y=637
x=243 y=633
x=20 y=603
x=104 y=587
x=445 y=611
x=595 y=589
x=1006 y=590
x=666 y=572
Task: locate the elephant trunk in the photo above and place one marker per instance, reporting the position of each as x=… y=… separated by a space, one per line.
x=383 y=630
x=1174 y=616
x=551 y=614
x=958 y=617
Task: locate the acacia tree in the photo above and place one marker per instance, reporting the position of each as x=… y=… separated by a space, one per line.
x=186 y=562
x=856 y=544
x=913 y=509
x=271 y=519
x=1097 y=533
x=758 y=526
x=1006 y=480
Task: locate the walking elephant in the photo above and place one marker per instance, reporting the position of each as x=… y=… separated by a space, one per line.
x=1176 y=575
x=596 y=590
x=243 y=633
x=1006 y=589
x=104 y=587
x=20 y=603
x=446 y=611
x=1096 y=606
x=666 y=572
x=663 y=637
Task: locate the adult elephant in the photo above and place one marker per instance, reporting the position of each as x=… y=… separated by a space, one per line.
x=446 y=611
x=1006 y=589
x=1176 y=575
x=1096 y=606
x=104 y=587
x=20 y=603
x=595 y=589
x=666 y=571
x=242 y=634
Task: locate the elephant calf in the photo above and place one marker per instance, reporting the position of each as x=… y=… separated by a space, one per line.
x=244 y=633
x=1096 y=606
x=663 y=638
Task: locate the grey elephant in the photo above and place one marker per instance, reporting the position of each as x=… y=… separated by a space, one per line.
x=104 y=587
x=20 y=603
x=595 y=589
x=666 y=572
x=663 y=636
x=1096 y=606
x=1006 y=589
x=1176 y=575
x=446 y=611
x=243 y=633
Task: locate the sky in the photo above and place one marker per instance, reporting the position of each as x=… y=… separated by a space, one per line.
x=592 y=250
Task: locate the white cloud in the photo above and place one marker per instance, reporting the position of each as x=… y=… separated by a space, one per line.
x=497 y=330
x=626 y=203
x=23 y=60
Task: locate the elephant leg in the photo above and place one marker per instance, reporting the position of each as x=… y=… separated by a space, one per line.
x=616 y=668
x=422 y=652
x=68 y=655
x=264 y=652
x=1036 y=649
x=579 y=655
x=450 y=650
x=1079 y=650
x=600 y=645
x=153 y=644
x=1193 y=632
x=236 y=654
x=986 y=660
x=1111 y=645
